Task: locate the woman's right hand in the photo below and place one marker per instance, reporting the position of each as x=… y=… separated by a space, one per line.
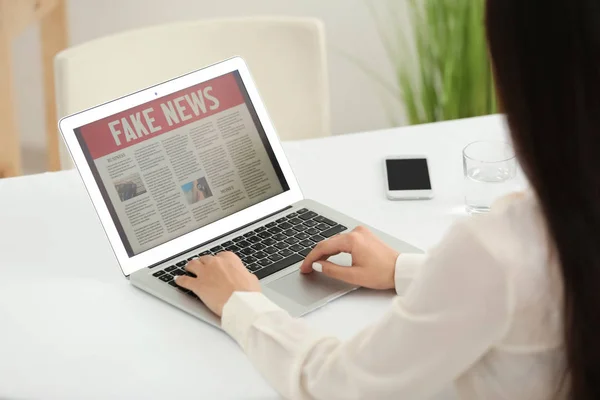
x=373 y=262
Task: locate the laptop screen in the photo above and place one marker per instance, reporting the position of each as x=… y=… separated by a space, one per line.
x=182 y=161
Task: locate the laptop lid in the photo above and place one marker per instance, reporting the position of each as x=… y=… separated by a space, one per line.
x=181 y=163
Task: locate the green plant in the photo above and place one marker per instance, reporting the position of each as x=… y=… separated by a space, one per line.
x=441 y=64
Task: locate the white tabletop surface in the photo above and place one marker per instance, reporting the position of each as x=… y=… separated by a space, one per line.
x=71 y=326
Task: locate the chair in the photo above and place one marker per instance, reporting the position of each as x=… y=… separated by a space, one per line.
x=286 y=57
x=15 y=17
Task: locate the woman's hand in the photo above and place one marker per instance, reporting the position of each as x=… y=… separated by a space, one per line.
x=217 y=277
x=373 y=262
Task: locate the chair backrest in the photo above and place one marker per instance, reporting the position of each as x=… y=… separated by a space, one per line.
x=286 y=57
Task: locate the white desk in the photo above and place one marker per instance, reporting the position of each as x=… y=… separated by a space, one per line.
x=71 y=326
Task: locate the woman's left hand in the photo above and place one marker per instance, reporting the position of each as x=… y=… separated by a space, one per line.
x=217 y=277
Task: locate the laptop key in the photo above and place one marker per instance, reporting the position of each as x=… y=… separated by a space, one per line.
x=302 y=236
x=322 y=227
x=302 y=211
x=215 y=249
x=291 y=240
x=158 y=273
x=275 y=257
x=323 y=220
x=305 y=252
x=166 y=277
x=311 y=223
x=296 y=248
x=253 y=267
x=247 y=235
x=279 y=237
x=286 y=252
x=301 y=228
x=295 y=221
x=308 y=215
x=280 y=220
x=292 y=215
x=178 y=272
x=275 y=230
x=269 y=242
x=233 y=248
x=247 y=251
x=238 y=239
x=317 y=238
x=259 y=230
x=264 y=235
x=264 y=262
x=254 y=239
x=260 y=254
x=181 y=263
x=258 y=246
x=282 y=245
x=243 y=243
x=329 y=222
x=171 y=268
x=271 y=224
x=278 y=266
x=172 y=283
x=285 y=225
x=312 y=231
x=290 y=232
x=204 y=253
x=227 y=244
x=271 y=250
x=251 y=260
x=306 y=243
x=333 y=231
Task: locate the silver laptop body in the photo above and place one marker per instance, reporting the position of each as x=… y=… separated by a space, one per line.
x=192 y=167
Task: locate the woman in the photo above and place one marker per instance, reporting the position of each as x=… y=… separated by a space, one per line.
x=507 y=306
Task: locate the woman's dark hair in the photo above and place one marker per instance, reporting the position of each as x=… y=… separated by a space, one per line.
x=546 y=60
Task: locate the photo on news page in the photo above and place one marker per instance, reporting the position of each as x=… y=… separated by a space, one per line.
x=182 y=161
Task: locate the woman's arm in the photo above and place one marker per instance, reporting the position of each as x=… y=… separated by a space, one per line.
x=454 y=311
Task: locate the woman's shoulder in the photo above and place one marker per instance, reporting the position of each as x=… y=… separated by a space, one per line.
x=508 y=238
x=515 y=229
x=514 y=234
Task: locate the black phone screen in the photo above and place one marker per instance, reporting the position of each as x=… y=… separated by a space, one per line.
x=408 y=174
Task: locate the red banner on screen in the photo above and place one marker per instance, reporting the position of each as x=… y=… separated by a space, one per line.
x=159 y=116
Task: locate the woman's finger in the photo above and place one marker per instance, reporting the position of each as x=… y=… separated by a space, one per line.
x=186 y=282
x=194 y=266
x=344 y=274
x=227 y=255
x=327 y=248
x=204 y=259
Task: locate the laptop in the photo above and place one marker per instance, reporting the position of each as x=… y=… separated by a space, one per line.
x=193 y=167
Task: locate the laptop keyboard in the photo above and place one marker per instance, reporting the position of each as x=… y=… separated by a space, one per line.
x=269 y=248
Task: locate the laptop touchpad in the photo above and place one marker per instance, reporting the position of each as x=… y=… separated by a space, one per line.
x=307 y=289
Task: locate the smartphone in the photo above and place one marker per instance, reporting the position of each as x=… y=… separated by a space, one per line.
x=408 y=178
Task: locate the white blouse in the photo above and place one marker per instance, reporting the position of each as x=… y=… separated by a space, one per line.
x=482 y=310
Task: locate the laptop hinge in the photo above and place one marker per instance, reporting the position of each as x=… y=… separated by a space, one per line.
x=217 y=238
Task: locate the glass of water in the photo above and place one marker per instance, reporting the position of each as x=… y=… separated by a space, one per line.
x=490 y=170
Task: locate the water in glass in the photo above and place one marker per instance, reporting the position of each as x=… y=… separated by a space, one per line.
x=484 y=184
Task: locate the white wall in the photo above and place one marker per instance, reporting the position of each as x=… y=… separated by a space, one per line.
x=356 y=100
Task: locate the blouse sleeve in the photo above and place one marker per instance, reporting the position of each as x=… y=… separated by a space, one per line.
x=407 y=266
x=456 y=308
